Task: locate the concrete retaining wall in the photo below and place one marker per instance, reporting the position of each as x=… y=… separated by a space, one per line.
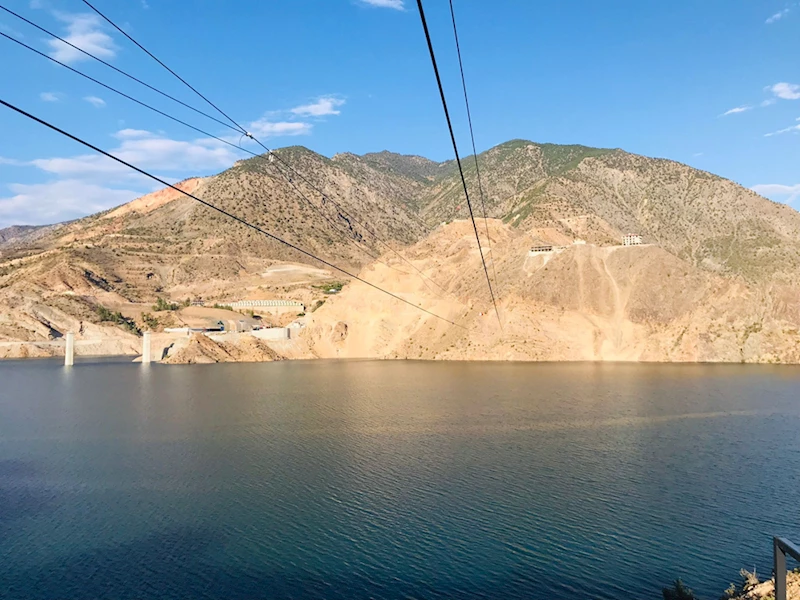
x=273 y=333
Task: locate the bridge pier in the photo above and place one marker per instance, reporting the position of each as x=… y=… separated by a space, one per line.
x=146 y=348
x=69 y=352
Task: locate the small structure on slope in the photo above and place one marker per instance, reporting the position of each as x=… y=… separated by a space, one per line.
x=632 y=239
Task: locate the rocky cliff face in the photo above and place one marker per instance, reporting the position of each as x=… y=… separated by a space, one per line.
x=716 y=280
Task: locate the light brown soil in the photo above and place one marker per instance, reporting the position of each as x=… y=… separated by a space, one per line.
x=201 y=349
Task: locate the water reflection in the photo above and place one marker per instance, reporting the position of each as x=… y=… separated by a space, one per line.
x=388 y=480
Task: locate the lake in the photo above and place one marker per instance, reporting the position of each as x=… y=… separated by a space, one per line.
x=366 y=479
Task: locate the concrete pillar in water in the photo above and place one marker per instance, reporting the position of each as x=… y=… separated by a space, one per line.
x=69 y=353
x=146 y=348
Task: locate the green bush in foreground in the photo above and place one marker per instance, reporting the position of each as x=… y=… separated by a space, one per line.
x=678 y=592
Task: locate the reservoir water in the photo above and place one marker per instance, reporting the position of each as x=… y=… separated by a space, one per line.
x=392 y=479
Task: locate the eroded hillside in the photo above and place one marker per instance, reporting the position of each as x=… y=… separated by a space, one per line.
x=716 y=278
x=587 y=302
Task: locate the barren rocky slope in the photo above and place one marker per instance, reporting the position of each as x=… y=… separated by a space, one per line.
x=716 y=280
x=586 y=303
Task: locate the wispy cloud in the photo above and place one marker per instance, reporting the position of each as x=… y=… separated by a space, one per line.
x=146 y=150
x=786 y=91
x=792 y=129
x=778 y=16
x=768 y=102
x=11 y=31
x=785 y=193
x=84 y=31
x=395 y=4
x=50 y=96
x=737 y=110
x=88 y=183
x=95 y=101
x=11 y=161
x=44 y=203
x=264 y=128
x=696 y=154
x=326 y=105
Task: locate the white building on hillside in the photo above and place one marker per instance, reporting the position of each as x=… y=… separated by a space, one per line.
x=632 y=239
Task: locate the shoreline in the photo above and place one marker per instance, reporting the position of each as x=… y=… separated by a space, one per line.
x=136 y=359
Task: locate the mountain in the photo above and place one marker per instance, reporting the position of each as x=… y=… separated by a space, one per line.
x=717 y=257
x=595 y=194
x=20 y=234
x=586 y=302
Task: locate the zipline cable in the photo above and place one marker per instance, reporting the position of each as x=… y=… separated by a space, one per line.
x=270 y=152
x=118 y=70
x=472 y=137
x=455 y=149
x=123 y=32
x=210 y=135
x=221 y=210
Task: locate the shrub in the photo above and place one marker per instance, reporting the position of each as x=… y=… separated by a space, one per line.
x=730 y=593
x=749 y=580
x=117 y=317
x=150 y=321
x=162 y=305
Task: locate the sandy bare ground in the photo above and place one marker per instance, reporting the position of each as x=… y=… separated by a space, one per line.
x=586 y=303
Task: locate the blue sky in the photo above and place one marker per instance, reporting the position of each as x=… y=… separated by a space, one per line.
x=714 y=84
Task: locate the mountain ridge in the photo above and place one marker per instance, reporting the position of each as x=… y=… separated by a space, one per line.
x=362 y=212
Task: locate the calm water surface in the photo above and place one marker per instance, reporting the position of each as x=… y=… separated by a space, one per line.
x=392 y=479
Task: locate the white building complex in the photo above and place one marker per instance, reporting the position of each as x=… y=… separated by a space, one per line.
x=632 y=239
x=265 y=304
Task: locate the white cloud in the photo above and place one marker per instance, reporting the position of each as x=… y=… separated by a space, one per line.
x=44 y=203
x=793 y=128
x=264 y=128
x=768 y=102
x=89 y=183
x=738 y=109
x=85 y=32
x=150 y=152
x=326 y=105
x=786 y=91
x=778 y=16
x=778 y=191
x=395 y=4
x=95 y=101
x=126 y=134
x=50 y=96
x=696 y=154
